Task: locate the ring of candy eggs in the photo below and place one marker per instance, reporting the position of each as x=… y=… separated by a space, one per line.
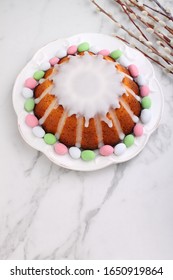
x=75 y=152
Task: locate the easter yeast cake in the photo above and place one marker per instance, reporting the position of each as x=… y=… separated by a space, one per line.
x=83 y=100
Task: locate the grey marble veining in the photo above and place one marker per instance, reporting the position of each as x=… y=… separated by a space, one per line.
x=47 y=212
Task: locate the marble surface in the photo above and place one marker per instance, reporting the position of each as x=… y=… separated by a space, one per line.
x=124 y=211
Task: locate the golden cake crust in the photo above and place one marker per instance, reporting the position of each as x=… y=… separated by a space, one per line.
x=89 y=137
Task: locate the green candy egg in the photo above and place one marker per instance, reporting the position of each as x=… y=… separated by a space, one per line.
x=88 y=155
x=146 y=102
x=129 y=140
x=38 y=75
x=116 y=54
x=83 y=47
x=49 y=138
x=29 y=104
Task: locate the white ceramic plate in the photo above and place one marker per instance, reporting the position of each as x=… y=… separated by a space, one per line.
x=102 y=42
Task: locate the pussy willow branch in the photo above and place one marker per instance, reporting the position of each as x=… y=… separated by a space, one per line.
x=160 y=34
x=129 y=32
x=134 y=46
x=148 y=25
x=143 y=42
x=157 y=11
x=163 y=9
x=142 y=8
x=126 y=12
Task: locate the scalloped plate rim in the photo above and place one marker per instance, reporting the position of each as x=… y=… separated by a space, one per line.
x=88 y=166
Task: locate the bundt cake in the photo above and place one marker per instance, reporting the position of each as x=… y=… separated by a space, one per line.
x=87 y=111
x=84 y=100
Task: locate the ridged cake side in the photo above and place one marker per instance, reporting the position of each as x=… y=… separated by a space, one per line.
x=71 y=130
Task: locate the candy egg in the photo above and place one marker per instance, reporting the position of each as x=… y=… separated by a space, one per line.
x=29 y=105
x=27 y=92
x=133 y=70
x=104 y=52
x=30 y=83
x=138 y=130
x=129 y=140
x=140 y=80
x=145 y=116
x=144 y=90
x=94 y=49
x=38 y=75
x=116 y=54
x=31 y=120
x=123 y=61
x=49 y=138
x=83 y=47
x=106 y=150
x=72 y=50
x=38 y=131
x=75 y=152
x=119 y=149
x=61 y=53
x=88 y=155
x=54 y=60
x=45 y=66
x=60 y=149
x=146 y=102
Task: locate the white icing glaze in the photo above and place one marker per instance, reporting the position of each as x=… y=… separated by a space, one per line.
x=79 y=132
x=61 y=124
x=125 y=75
x=52 y=105
x=41 y=80
x=117 y=124
x=129 y=111
x=129 y=90
x=99 y=131
x=92 y=89
x=46 y=91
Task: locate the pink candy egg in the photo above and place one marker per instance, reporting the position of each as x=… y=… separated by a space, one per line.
x=54 y=60
x=104 y=52
x=138 y=130
x=133 y=70
x=144 y=90
x=30 y=83
x=72 y=49
x=60 y=149
x=106 y=150
x=31 y=120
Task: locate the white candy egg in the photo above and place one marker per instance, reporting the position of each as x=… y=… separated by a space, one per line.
x=140 y=80
x=38 y=131
x=145 y=116
x=27 y=92
x=61 y=53
x=119 y=149
x=75 y=152
x=123 y=61
x=94 y=49
x=45 y=66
